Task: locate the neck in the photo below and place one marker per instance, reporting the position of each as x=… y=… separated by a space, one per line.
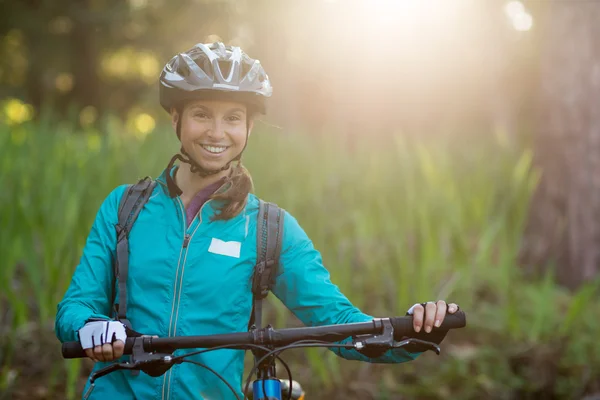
x=191 y=183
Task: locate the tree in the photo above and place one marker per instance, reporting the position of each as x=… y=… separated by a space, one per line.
x=564 y=224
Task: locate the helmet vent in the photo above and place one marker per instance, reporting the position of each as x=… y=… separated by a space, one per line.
x=245 y=68
x=225 y=67
x=183 y=70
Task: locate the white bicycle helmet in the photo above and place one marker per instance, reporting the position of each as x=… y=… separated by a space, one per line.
x=214 y=71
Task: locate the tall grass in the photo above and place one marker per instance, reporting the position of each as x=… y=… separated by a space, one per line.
x=398 y=220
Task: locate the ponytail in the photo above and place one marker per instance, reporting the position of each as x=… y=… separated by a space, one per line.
x=237 y=187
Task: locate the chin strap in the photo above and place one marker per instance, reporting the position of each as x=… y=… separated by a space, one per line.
x=196 y=168
x=175 y=190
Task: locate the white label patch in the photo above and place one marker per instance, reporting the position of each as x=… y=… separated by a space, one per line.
x=230 y=249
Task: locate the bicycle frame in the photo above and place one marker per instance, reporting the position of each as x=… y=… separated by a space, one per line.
x=268 y=386
x=266 y=389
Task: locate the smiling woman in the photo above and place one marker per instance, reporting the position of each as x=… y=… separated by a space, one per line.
x=192 y=254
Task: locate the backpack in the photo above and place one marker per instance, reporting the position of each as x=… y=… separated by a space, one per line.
x=269 y=235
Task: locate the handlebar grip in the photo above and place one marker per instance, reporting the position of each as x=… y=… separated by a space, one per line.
x=403 y=326
x=74 y=350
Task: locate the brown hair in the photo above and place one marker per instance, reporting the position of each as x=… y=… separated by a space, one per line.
x=234 y=193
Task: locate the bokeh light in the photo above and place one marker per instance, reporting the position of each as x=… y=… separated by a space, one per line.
x=143 y=125
x=522 y=22
x=17 y=112
x=148 y=67
x=88 y=116
x=64 y=82
x=514 y=8
x=126 y=63
x=519 y=18
x=116 y=64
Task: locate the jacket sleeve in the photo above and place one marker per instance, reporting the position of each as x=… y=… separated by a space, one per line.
x=90 y=294
x=303 y=284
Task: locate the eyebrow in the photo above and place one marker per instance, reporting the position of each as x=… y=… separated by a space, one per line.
x=198 y=106
x=204 y=108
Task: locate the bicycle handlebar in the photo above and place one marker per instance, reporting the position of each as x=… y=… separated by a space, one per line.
x=402 y=327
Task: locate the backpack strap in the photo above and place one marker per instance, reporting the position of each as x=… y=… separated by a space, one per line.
x=269 y=236
x=130 y=206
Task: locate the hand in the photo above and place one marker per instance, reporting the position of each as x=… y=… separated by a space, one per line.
x=109 y=351
x=106 y=352
x=103 y=340
x=430 y=315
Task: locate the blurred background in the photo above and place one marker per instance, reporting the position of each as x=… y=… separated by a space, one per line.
x=431 y=149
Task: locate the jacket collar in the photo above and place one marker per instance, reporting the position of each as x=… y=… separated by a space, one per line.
x=162 y=179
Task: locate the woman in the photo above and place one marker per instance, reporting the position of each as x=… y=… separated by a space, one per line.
x=180 y=282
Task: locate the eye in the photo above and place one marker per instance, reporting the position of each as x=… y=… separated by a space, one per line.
x=233 y=118
x=201 y=114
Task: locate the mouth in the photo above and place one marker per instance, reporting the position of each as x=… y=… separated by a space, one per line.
x=214 y=149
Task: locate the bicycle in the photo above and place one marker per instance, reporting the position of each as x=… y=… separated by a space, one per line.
x=154 y=356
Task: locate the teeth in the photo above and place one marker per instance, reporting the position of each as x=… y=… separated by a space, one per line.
x=214 y=149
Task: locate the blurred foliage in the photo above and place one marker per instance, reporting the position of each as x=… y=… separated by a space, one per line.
x=424 y=66
x=397 y=222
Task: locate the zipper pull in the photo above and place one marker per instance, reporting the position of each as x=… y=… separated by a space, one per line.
x=186 y=240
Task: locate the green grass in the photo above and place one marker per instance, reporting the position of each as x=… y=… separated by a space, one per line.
x=398 y=220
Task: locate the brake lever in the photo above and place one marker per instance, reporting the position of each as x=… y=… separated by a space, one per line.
x=385 y=340
x=376 y=345
x=431 y=346
x=153 y=364
x=105 y=371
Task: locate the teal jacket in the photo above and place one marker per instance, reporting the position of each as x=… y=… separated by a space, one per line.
x=176 y=290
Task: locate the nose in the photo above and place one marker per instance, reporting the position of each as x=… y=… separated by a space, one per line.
x=217 y=130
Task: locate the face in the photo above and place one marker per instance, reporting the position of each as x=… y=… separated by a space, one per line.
x=213 y=132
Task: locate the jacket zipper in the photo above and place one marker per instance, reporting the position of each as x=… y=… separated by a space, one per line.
x=187 y=237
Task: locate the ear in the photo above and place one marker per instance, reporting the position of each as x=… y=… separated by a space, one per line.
x=174 y=118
